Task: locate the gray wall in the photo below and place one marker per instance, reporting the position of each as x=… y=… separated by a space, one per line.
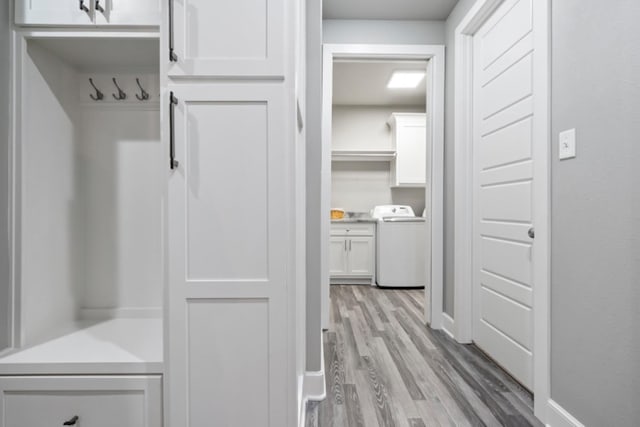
x=5 y=277
x=314 y=154
x=454 y=19
x=595 y=269
x=380 y=31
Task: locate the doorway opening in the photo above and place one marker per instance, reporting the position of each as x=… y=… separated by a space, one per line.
x=364 y=165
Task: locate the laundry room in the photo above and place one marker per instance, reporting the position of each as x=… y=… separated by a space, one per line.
x=379 y=187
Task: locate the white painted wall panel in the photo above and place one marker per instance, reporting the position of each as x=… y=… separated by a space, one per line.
x=52 y=222
x=121 y=188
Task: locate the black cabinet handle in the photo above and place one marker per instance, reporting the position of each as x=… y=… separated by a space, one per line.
x=98 y=7
x=173 y=57
x=83 y=7
x=173 y=101
x=72 y=422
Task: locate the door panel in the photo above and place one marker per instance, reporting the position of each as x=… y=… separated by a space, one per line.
x=228 y=257
x=338 y=251
x=127 y=12
x=411 y=165
x=238 y=38
x=361 y=256
x=228 y=361
x=503 y=184
x=53 y=12
x=227 y=178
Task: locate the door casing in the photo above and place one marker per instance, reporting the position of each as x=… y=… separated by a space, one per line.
x=435 y=57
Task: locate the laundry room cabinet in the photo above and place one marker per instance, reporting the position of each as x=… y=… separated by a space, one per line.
x=409 y=138
x=352 y=253
x=87 y=12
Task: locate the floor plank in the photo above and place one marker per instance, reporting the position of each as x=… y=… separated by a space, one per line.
x=385 y=367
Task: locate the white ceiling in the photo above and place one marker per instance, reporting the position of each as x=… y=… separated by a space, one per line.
x=385 y=9
x=365 y=83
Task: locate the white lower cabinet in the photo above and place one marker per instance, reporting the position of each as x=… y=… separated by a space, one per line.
x=87 y=401
x=352 y=254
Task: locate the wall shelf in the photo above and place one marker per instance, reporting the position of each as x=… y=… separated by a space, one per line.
x=362 y=155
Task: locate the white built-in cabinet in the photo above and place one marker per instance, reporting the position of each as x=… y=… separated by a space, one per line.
x=229 y=106
x=87 y=12
x=155 y=215
x=88 y=183
x=409 y=138
x=352 y=253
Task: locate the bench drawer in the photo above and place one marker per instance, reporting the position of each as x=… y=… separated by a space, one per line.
x=100 y=401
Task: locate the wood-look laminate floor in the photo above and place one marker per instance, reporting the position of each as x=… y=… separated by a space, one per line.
x=384 y=367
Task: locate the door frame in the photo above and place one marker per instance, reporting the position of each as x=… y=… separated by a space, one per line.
x=464 y=190
x=435 y=57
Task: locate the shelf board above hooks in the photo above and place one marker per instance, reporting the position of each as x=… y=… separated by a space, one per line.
x=362 y=155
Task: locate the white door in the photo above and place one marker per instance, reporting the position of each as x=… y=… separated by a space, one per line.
x=228 y=259
x=503 y=184
x=360 y=256
x=338 y=261
x=227 y=38
x=127 y=12
x=54 y=12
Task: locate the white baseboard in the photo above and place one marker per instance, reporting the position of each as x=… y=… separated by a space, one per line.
x=557 y=416
x=448 y=325
x=313 y=387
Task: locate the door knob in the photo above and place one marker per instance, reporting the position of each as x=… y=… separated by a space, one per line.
x=72 y=422
x=532 y=233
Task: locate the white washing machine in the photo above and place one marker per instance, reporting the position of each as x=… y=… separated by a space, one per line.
x=402 y=258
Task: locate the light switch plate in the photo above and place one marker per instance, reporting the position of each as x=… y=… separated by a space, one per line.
x=567 y=144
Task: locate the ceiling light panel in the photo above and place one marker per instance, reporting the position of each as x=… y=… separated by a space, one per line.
x=405 y=79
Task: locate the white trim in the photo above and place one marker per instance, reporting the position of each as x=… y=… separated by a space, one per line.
x=463 y=216
x=557 y=416
x=313 y=388
x=435 y=56
x=448 y=325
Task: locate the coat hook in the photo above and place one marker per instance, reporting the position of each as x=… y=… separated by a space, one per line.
x=144 y=95
x=99 y=95
x=121 y=95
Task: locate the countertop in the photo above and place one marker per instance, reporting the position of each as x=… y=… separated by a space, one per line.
x=355 y=219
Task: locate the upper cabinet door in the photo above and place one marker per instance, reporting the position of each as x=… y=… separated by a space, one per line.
x=127 y=12
x=226 y=38
x=54 y=12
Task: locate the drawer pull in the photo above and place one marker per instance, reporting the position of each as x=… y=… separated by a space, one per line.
x=72 y=422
